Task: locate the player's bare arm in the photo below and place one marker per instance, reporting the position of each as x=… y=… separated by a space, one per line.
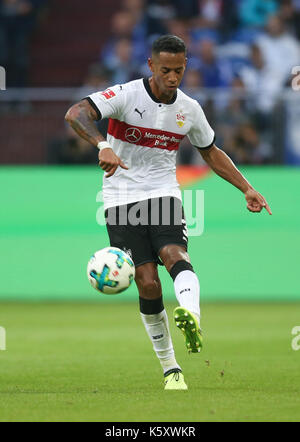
x=223 y=166
x=81 y=117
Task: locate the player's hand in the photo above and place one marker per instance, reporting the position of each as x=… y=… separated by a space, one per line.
x=109 y=162
x=256 y=202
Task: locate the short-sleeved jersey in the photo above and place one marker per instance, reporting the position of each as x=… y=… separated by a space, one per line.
x=146 y=134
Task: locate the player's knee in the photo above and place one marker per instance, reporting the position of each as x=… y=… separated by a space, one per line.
x=171 y=254
x=149 y=287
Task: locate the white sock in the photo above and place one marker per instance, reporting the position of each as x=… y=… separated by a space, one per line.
x=187 y=290
x=157 y=327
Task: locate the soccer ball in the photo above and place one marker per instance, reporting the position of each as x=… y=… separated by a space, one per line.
x=110 y=270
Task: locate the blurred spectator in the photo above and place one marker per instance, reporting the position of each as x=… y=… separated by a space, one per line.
x=290 y=14
x=98 y=78
x=71 y=150
x=236 y=111
x=263 y=86
x=192 y=80
x=261 y=81
x=192 y=84
x=123 y=24
x=228 y=119
x=251 y=16
x=229 y=19
x=280 y=50
x=210 y=13
x=244 y=145
x=255 y=13
x=237 y=131
x=136 y=8
x=16 y=23
x=215 y=73
x=179 y=27
x=122 y=62
x=158 y=12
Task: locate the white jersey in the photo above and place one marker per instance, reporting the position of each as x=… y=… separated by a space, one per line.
x=146 y=134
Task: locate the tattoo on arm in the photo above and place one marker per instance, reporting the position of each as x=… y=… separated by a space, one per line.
x=82 y=118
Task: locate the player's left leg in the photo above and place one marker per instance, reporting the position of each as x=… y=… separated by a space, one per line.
x=187 y=291
x=155 y=320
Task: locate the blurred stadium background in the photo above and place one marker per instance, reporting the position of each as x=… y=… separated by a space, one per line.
x=244 y=65
x=243 y=58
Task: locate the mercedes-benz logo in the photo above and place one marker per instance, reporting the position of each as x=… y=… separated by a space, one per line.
x=133 y=135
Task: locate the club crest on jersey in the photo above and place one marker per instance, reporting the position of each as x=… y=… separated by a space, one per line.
x=180 y=119
x=108 y=93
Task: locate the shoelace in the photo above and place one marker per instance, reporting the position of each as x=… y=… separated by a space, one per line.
x=176 y=376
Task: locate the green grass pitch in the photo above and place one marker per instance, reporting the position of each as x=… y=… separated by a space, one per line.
x=94 y=362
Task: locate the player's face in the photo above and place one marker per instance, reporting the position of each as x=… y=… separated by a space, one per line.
x=167 y=70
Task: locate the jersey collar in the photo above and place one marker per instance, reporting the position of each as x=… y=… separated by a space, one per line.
x=152 y=96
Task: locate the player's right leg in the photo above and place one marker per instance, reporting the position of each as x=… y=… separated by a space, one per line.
x=187 y=290
x=170 y=242
x=155 y=320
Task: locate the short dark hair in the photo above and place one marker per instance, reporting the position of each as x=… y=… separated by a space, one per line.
x=169 y=43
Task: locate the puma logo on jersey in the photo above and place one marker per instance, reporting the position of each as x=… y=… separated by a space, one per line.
x=140 y=113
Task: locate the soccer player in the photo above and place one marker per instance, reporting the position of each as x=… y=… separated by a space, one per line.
x=147 y=120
